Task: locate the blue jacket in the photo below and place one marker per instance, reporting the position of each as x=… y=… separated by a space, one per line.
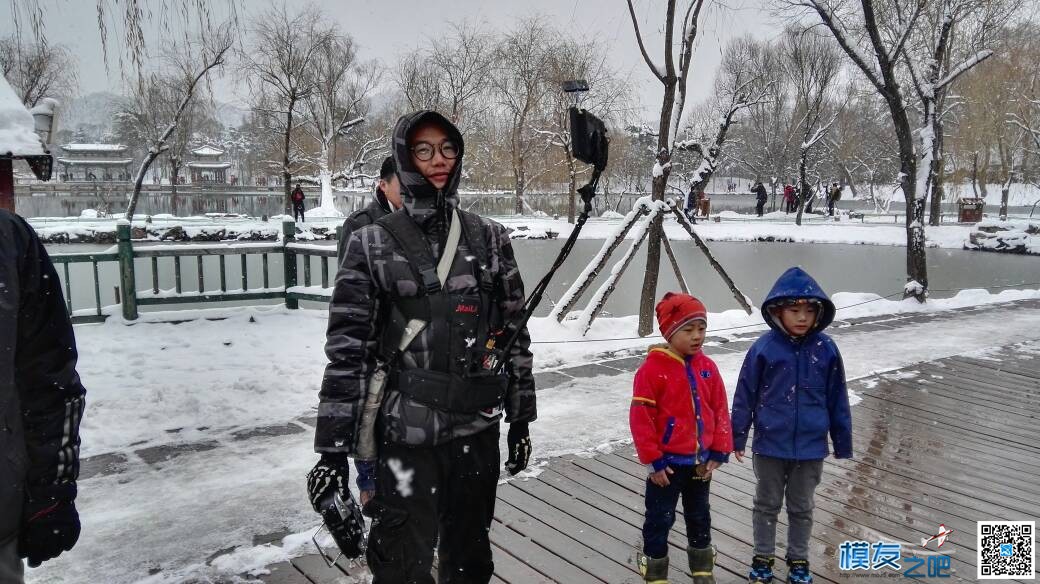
x=793 y=389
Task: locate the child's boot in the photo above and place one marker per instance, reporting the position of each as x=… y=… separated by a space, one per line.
x=798 y=572
x=702 y=563
x=761 y=569
x=654 y=570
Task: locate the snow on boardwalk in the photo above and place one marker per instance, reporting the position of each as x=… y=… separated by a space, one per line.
x=941 y=436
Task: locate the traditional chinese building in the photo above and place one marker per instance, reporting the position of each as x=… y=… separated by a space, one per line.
x=94 y=162
x=208 y=166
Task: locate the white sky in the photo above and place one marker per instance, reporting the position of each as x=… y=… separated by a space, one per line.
x=387 y=29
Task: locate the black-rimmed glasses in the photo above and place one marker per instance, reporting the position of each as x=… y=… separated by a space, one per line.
x=424 y=150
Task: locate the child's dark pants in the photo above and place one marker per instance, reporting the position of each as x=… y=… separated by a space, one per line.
x=660 y=511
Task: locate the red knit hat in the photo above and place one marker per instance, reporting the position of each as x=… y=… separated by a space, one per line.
x=676 y=310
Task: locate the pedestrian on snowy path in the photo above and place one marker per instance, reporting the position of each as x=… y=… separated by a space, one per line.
x=438 y=460
x=833 y=196
x=298 y=204
x=761 y=196
x=681 y=440
x=41 y=403
x=790 y=199
x=792 y=388
x=387 y=199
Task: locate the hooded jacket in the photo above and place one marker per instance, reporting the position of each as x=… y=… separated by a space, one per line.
x=41 y=398
x=679 y=413
x=374 y=273
x=793 y=388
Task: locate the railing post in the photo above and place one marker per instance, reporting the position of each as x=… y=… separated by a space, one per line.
x=289 y=261
x=126 y=270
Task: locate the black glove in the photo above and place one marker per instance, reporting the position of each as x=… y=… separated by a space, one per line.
x=331 y=472
x=519 y=441
x=50 y=523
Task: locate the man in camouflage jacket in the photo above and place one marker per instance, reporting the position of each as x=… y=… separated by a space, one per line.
x=440 y=467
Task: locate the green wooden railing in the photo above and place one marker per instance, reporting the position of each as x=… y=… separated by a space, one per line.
x=251 y=286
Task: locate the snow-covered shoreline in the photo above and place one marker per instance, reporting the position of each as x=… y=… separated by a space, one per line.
x=774 y=228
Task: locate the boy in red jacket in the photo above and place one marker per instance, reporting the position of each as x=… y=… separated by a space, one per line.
x=681 y=429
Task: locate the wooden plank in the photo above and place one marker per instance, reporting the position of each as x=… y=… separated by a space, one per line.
x=831 y=526
x=1011 y=377
x=625 y=505
x=284 y=573
x=194 y=250
x=510 y=570
x=208 y=297
x=730 y=523
x=944 y=393
x=952 y=412
x=318 y=572
x=577 y=551
x=536 y=557
x=618 y=555
x=1009 y=366
x=974 y=379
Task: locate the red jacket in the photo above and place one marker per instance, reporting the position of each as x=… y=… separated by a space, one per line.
x=679 y=413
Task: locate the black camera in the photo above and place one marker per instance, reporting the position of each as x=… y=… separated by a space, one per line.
x=589 y=142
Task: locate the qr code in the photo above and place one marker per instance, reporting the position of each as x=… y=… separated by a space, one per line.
x=1006 y=549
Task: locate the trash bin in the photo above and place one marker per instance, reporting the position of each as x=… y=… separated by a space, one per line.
x=970 y=210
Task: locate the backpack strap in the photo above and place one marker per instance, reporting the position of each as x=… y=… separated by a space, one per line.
x=416 y=250
x=474 y=229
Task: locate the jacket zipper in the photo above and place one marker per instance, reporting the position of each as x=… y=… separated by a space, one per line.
x=797 y=394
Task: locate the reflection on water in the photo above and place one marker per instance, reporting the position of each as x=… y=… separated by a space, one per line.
x=753 y=266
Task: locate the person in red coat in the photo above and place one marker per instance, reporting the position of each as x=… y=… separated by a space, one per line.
x=681 y=429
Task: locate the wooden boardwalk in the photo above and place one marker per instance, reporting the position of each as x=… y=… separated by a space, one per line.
x=951 y=441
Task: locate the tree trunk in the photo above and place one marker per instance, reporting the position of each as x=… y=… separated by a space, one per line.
x=175 y=170
x=153 y=153
x=286 y=175
x=916 y=260
x=518 y=172
x=648 y=297
x=803 y=188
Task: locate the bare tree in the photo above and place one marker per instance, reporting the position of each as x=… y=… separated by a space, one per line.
x=463 y=61
x=673 y=78
x=877 y=55
x=520 y=81
x=812 y=64
x=739 y=85
x=37 y=70
x=153 y=93
x=338 y=102
x=279 y=69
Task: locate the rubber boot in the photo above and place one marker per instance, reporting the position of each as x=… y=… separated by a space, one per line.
x=761 y=569
x=654 y=570
x=702 y=564
x=798 y=572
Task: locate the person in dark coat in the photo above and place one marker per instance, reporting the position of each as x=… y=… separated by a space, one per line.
x=387 y=199
x=438 y=457
x=833 y=196
x=298 y=204
x=761 y=196
x=41 y=403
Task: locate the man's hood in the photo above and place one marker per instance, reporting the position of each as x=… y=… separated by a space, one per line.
x=797 y=283
x=420 y=198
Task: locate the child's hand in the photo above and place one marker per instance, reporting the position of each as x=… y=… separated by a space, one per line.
x=710 y=466
x=739 y=455
x=660 y=478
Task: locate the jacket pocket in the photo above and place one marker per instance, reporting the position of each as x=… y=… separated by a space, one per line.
x=669 y=427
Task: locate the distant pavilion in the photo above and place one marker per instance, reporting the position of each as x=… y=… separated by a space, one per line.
x=94 y=162
x=208 y=166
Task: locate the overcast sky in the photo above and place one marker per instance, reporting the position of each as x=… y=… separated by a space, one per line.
x=389 y=28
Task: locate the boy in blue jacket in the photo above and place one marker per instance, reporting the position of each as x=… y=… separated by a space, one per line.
x=792 y=388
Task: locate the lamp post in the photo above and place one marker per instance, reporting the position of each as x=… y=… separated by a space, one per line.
x=43 y=125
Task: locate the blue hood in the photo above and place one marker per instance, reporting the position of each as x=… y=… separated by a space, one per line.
x=797 y=283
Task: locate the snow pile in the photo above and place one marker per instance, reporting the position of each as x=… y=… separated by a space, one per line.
x=611 y=215
x=17 y=134
x=1022 y=237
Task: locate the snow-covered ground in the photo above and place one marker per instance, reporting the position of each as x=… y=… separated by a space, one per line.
x=151 y=384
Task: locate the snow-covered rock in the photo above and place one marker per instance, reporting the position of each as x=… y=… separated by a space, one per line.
x=1021 y=237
